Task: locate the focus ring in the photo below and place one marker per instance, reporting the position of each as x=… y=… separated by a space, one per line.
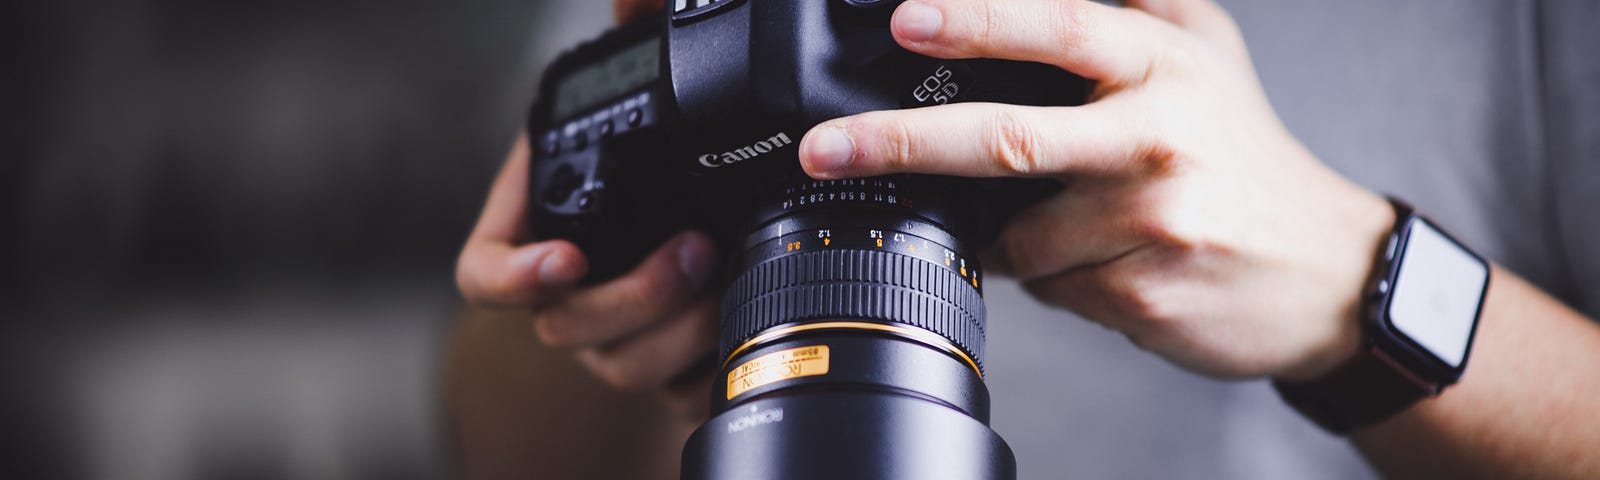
x=856 y=284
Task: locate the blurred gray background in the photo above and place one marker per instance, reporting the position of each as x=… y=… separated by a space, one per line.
x=230 y=226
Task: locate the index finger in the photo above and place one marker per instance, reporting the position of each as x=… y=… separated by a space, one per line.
x=658 y=286
x=979 y=140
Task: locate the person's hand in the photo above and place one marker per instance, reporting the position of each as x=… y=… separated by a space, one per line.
x=1192 y=221
x=652 y=329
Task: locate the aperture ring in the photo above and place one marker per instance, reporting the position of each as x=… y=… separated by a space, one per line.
x=856 y=284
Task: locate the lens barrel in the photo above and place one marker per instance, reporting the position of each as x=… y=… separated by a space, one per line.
x=866 y=273
x=852 y=341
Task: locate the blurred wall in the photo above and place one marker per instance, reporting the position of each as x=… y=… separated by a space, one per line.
x=202 y=142
x=230 y=226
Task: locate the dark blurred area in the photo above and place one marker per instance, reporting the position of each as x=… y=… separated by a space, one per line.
x=230 y=227
x=217 y=143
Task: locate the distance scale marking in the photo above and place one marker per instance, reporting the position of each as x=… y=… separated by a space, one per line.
x=872 y=191
x=864 y=238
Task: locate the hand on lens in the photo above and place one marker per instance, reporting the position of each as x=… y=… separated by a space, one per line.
x=651 y=329
x=1192 y=221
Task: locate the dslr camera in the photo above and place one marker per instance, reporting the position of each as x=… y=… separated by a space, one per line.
x=852 y=331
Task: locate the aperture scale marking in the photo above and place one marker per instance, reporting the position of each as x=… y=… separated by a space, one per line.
x=862 y=238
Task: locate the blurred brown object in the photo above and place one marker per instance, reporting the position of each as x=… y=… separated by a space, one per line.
x=518 y=409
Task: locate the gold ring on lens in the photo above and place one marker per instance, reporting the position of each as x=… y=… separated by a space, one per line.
x=922 y=336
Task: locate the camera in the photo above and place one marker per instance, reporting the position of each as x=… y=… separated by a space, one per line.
x=852 y=334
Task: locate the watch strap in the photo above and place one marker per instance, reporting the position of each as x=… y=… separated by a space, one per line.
x=1364 y=390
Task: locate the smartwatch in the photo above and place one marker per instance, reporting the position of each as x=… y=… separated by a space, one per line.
x=1420 y=314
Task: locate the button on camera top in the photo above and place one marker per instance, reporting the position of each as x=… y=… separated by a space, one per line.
x=635 y=117
x=580 y=141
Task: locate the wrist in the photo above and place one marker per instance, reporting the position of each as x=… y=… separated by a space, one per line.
x=1365 y=221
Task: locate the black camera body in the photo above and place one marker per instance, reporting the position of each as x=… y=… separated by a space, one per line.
x=853 y=327
x=694 y=121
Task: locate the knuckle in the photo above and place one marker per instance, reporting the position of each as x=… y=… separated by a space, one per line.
x=1014 y=143
x=1131 y=301
x=1151 y=226
x=1145 y=290
x=1161 y=158
x=987 y=22
x=1169 y=230
x=1174 y=225
x=899 y=144
x=1071 y=23
x=1145 y=306
x=1157 y=333
x=1180 y=62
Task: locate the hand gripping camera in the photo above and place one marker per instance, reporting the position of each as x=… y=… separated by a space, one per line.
x=852 y=332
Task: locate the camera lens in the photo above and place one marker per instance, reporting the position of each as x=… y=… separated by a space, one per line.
x=854 y=332
x=858 y=249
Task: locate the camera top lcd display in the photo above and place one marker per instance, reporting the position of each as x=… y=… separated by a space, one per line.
x=628 y=69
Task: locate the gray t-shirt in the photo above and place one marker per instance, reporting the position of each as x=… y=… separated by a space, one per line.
x=1484 y=114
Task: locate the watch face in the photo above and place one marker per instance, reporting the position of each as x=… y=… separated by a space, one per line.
x=1437 y=293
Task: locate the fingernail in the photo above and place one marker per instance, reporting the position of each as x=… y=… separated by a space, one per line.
x=917 y=21
x=694 y=259
x=557 y=269
x=829 y=149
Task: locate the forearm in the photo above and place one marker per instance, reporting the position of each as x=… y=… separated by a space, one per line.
x=1528 y=405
